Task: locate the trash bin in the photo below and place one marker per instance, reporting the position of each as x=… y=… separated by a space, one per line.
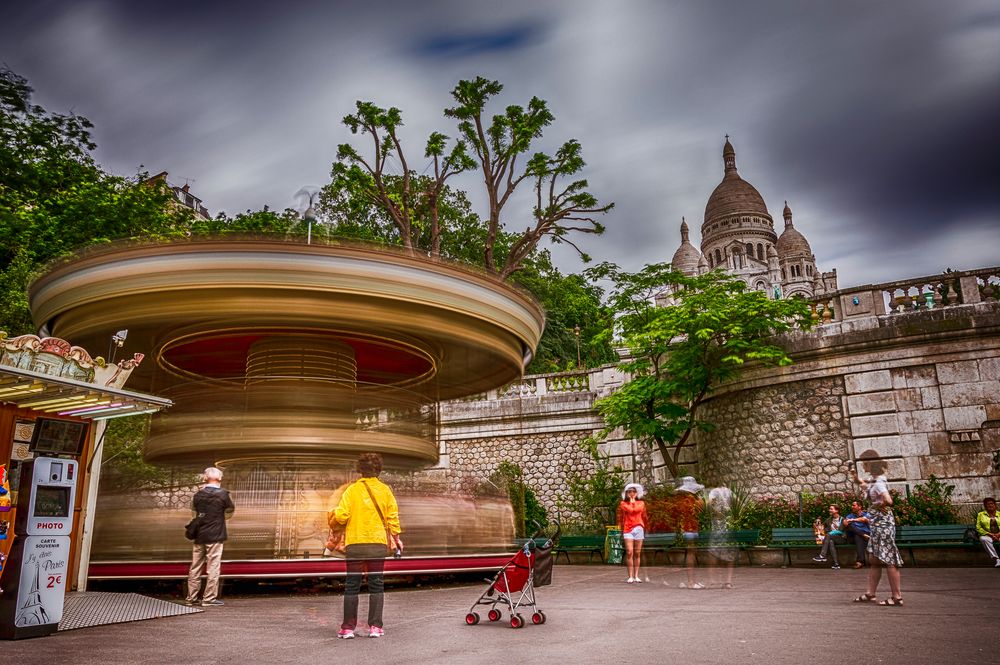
x=613 y=546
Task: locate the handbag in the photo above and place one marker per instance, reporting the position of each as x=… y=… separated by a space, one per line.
x=192 y=527
x=390 y=541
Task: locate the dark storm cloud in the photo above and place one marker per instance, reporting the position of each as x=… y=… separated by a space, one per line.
x=458 y=45
x=875 y=120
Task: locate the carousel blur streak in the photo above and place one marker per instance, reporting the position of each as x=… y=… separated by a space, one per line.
x=286 y=358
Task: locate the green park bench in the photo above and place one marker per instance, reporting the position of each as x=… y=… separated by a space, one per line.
x=792 y=538
x=913 y=538
x=590 y=544
x=741 y=539
x=568 y=544
x=659 y=543
x=909 y=538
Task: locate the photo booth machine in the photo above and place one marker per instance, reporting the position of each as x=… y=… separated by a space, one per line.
x=49 y=438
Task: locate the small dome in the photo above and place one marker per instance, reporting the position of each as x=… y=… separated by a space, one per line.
x=791 y=242
x=687 y=256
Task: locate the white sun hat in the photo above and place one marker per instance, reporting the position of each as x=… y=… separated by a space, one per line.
x=639 y=491
x=689 y=484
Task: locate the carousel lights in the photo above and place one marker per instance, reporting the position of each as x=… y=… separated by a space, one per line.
x=74 y=403
x=21 y=389
x=92 y=408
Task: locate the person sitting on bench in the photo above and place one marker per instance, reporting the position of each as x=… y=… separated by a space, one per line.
x=856 y=530
x=988 y=528
x=834 y=536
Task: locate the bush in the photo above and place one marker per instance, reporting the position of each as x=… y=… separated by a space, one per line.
x=929 y=503
x=535 y=515
x=527 y=509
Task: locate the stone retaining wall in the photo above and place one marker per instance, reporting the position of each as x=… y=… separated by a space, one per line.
x=921 y=388
x=778 y=439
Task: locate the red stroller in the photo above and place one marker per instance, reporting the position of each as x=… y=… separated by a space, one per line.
x=514 y=584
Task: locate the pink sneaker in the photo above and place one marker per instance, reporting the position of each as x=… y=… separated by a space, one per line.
x=375 y=631
x=346 y=634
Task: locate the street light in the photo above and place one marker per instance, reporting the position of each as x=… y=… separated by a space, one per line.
x=576 y=331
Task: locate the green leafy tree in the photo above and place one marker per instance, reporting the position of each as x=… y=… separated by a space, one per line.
x=576 y=320
x=679 y=353
x=252 y=222
x=54 y=198
x=498 y=147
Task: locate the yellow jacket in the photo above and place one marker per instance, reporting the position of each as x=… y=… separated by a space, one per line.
x=358 y=513
x=983 y=522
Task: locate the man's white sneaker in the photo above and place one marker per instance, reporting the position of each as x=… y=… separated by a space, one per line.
x=997 y=564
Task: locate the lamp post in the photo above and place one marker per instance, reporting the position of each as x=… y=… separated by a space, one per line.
x=576 y=331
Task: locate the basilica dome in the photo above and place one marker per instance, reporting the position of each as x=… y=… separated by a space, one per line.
x=734 y=195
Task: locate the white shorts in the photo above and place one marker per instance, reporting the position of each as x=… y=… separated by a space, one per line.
x=637 y=533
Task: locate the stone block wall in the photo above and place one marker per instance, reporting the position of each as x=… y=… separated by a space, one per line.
x=930 y=419
x=778 y=439
x=548 y=460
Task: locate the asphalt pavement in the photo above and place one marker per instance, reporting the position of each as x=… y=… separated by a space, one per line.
x=776 y=616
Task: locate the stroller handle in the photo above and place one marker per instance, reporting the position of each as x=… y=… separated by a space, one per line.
x=538 y=531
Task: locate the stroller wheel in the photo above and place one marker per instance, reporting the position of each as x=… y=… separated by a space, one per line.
x=538 y=617
x=516 y=621
x=494 y=615
x=472 y=618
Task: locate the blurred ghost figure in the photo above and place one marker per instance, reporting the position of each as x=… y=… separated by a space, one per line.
x=688 y=507
x=723 y=553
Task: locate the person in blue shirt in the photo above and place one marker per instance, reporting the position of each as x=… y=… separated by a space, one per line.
x=856 y=530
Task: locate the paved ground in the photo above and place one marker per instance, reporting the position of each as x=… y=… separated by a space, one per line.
x=774 y=616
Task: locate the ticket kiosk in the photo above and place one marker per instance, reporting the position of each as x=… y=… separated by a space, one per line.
x=35 y=574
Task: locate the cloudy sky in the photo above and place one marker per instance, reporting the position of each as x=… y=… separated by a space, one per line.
x=877 y=121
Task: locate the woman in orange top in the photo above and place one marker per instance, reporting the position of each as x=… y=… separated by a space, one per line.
x=632 y=520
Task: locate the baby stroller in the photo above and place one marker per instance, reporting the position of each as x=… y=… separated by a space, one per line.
x=514 y=584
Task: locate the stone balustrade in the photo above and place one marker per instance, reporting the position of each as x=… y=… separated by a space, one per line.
x=908 y=295
x=539 y=385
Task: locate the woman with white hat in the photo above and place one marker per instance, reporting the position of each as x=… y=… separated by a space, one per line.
x=632 y=519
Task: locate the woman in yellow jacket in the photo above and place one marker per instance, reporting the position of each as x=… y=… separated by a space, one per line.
x=367 y=541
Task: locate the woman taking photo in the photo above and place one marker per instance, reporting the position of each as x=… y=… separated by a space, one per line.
x=882 y=549
x=632 y=521
x=369 y=511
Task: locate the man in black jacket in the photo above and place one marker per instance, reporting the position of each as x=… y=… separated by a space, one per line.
x=212 y=505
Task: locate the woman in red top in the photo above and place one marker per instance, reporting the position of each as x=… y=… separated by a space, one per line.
x=632 y=521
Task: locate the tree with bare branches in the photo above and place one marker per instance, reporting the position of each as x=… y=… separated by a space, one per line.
x=499 y=147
